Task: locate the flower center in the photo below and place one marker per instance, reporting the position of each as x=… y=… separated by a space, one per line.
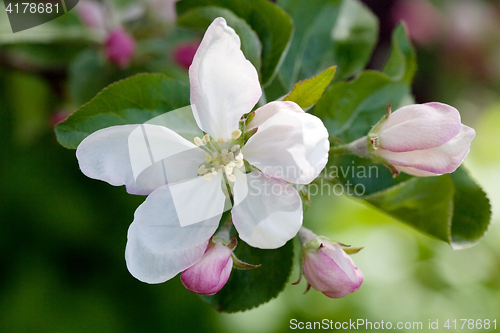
x=220 y=156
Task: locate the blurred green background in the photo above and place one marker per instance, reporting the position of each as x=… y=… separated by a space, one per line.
x=63 y=236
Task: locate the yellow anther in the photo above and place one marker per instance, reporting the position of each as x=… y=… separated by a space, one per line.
x=207 y=176
x=215 y=155
x=206 y=138
x=221 y=140
x=236 y=134
x=230 y=156
x=235 y=148
x=198 y=142
x=231 y=178
x=239 y=157
x=228 y=170
x=202 y=170
x=239 y=164
x=224 y=152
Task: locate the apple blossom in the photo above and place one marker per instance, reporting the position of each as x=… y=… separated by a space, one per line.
x=232 y=162
x=119 y=47
x=418 y=139
x=327 y=267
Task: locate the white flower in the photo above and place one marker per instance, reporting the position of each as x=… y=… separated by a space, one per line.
x=187 y=182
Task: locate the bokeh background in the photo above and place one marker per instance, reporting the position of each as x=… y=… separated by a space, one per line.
x=62 y=235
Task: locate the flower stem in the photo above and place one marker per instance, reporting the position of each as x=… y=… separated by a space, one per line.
x=305 y=235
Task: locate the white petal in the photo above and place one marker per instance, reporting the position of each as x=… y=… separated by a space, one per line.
x=419 y=126
x=224 y=85
x=159 y=155
x=434 y=161
x=270 y=214
x=289 y=145
x=265 y=112
x=104 y=155
x=198 y=200
x=158 y=247
x=181 y=121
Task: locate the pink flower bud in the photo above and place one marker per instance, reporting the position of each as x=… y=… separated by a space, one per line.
x=327 y=267
x=422 y=139
x=330 y=270
x=211 y=272
x=92 y=14
x=184 y=54
x=423 y=21
x=119 y=47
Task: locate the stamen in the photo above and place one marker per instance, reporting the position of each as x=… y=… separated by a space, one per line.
x=231 y=178
x=230 y=156
x=235 y=148
x=239 y=164
x=198 y=142
x=236 y=134
x=239 y=157
x=207 y=176
x=228 y=170
x=221 y=140
x=206 y=138
x=215 y=155
x=202 y=170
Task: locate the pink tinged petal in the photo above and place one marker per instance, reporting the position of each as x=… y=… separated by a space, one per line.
x=419 y=126
x=271 y=212
x=331 y=271
x=434 y=161
x=158 y=248
x=159 y=156
x=289 y=145
x=224 y=84
x=198 y=200
x=104 y=155
x=267 y=111
x=211 y=272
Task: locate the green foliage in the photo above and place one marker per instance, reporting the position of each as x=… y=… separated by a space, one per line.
x=132 y=101
x=452 y=208
x=307 y=92
x=327 y=33
x=471 y=211
x=247 y=289
x=273 y=26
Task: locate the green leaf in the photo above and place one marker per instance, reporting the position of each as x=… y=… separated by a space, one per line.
x=201 y=17
x=350 y=109
x=424 y=203
x=402 y=63
x=452 y=208
x=247 y=289
x=131 y=101
x=471 y=211
x=273 y=26
x=327 y=33
x=307 y=92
